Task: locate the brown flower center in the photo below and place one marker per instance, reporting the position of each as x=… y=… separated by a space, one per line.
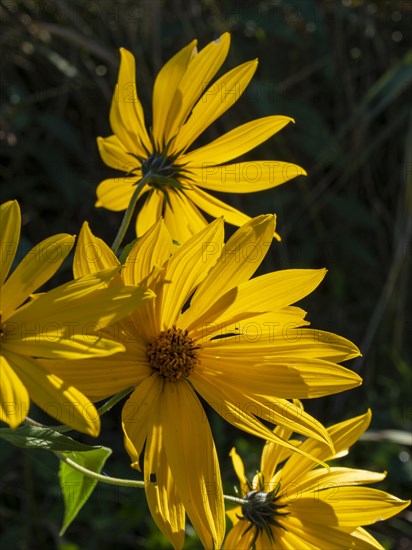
x=173 y=355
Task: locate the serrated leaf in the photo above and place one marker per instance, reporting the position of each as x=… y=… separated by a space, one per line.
x=75 y=486
x=35 y=437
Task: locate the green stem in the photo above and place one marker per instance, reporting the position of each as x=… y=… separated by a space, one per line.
x=120 y=481
x=129 y=212
x=99 y=477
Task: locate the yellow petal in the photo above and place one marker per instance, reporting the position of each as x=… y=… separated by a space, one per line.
x=234 y=514
x=245 y=177
x=273 y=454
x=166 y=83
x=366 y=539
x=126 y=112
x=79 y=303
x=115 y=155
x=100 y=378
x=161 y=492
x=240 y=537
x=34 y=270
x=235 y=143
x=115 y=193
x=150 y=212
x=136 y=416
x=241 y=411
x=200 y=71
x=33 y=340
x=291 y=377
x=14 y=398
x=216 y=100
x=346 y=433
x=153 y=249
x=92 y=254
x=187 y=267
x=10 y=221
x=215 y=207
x=57 y=398
x=183 y=218
x=343 y=435
x=301 y=533
x=193 y=462
x=269 y=292
x=320 y=479
x=240 y=471
x=239 y=259
x=348 y=506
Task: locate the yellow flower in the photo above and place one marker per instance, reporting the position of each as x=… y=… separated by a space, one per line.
x=54 y=324
x=296 y=506
x=212 y=332
x=185 y=103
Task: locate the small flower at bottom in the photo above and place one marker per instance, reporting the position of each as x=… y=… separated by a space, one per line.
x=51 y=325
x=192 y=340
x=185 y=103
x=293 y=504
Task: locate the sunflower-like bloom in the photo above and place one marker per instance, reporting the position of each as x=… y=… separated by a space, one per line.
x=212 y=332
x=297 y=505
x=185 y=103
x=54 y=324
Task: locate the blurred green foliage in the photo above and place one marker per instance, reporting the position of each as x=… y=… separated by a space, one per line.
x=343 y=70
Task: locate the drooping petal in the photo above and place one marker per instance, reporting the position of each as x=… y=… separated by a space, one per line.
x=239 y=259
x=126 y=112
x=115 y=155
x=200 y=71
x=47 y=341
x=216 y=100
x=100 y=378
x=115 y=193
x=92 y=254
x=166 y=83
x=161 y=492
x=215 y=207
x=183 y=218
x=193 y=462
x=14 y=398
x=34 y=270
x=153 y=249
x=235 y=143
x=149 y=213
x=56 y=397
x=188 y=266
x=241 y=411
x=245 y=177
x=137 y=414
x=10 y=221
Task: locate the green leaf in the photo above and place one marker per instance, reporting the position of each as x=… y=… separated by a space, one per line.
x=126 y=251
x=35 y=437
x=75 y=486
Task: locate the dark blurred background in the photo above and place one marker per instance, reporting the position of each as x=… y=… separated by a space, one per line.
x=343 y=70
